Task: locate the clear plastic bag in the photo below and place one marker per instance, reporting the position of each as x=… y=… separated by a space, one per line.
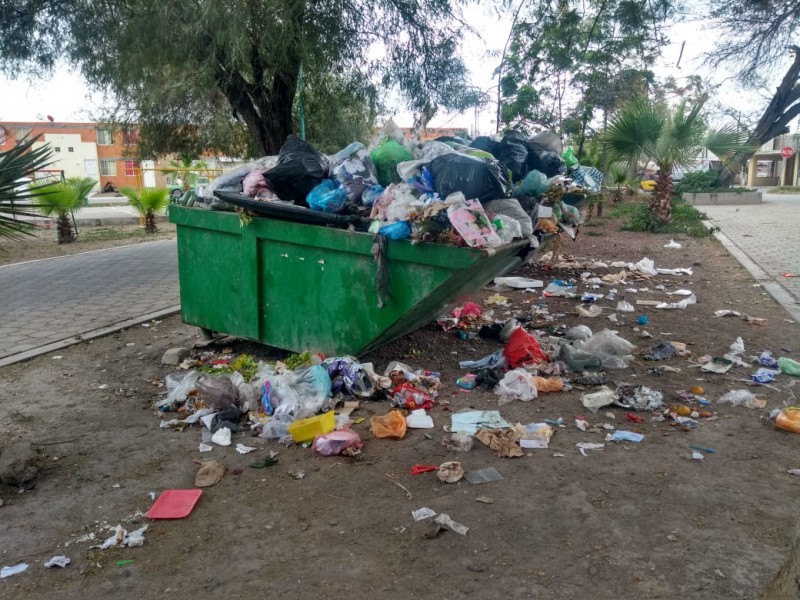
x=612 y=350
x=741 y=398
x=178 y=385
x=579 y=332
x=517 y=384
x=217 y=392
x=577 y=360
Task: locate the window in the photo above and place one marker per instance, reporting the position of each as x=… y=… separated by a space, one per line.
x=130 y=165
x=21 y=134
x=130 y=137
x=765 y=169
x=108 y=167
x=105 y=137
x=70 y=149
x=2 y=136
x=57 y=148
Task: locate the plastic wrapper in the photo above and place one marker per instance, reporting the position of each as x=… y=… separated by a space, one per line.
x=511 y=208
x=178 y=385
x=386 y=157
x=579 y=332
x=473 y=225
x=217 y=393
x=788 y=419
x=789 y=366
x=535 y=184
x=353 y=168
x=232 y=181
x=613 y=351
x=371 y=194
x=300 y=168
x=741 y=398
x=254 y=182
x=327 y=197
x=336 y=442
x=392 y=425
x=389 y=131
x=516 y=384
x=400 y=230
x=475 y=178
x=427 y=151
x=522 y=349
x=548 y=384
x=508 y=229
x=578 y=360
x=276 y=428
x=299 y=394
x=410 y=397
x=348 y=376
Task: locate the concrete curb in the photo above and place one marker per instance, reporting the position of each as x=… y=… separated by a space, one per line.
x=768 y=283
x=89 y=335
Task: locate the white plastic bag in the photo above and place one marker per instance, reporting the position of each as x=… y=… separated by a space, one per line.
x=741 y=398
x=517 y=384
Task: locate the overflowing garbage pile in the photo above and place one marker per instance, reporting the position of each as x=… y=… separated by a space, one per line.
x=479 y=193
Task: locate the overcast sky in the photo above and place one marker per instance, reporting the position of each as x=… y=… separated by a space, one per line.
x=65 y=97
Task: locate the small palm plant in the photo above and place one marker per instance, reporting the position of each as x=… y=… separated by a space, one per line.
x=60 y=200
x=618 y=181
x=647 y=130
x=19 y=163
x=148 y=202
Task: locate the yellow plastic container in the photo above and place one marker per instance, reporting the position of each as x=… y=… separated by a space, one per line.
x=306 y=430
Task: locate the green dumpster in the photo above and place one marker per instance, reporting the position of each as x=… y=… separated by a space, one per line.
x=308 y=287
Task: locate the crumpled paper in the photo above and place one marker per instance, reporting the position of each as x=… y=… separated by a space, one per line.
x=503 y=441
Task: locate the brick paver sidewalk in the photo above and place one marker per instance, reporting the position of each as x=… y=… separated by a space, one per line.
x=768 y=234
x=47 y=301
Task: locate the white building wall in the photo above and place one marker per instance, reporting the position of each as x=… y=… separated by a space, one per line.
x=70 y=153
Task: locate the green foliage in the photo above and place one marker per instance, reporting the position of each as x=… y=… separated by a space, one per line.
x=83 y=186
x=244 y=364
x=698 y=181
x=21 y=161
x=570 y=58
x=56 y=199
x=148 y=200
x=223 y=74
x=685 y=218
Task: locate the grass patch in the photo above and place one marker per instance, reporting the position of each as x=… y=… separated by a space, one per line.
x=785 y=189
x=103 y=234
x=685 y=219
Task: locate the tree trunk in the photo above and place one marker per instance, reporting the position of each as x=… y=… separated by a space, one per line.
x=150 y=222
x=661 y=202
x=65 y=232
x=786 y=583
x=781 y=111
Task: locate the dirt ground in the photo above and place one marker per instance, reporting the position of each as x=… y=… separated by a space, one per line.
x=629 y=521
x=42 y=243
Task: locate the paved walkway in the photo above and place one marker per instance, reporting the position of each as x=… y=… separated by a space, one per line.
x=767 y=235
x=47 y=304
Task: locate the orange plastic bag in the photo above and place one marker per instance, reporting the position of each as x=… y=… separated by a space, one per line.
x=548 y=384
x=789 y=419
x=392 y=425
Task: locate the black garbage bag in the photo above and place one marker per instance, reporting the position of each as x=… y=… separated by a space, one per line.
x=512 y=153
x=300 y=168
x=485 y=143
x=544 y=142
x=549 y=163
x=476 y=178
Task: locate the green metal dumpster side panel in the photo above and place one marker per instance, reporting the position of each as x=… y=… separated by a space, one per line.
x=304 y=287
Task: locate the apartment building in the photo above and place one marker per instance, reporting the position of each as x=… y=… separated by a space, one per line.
x=100 y=151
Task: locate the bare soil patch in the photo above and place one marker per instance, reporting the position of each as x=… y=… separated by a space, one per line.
x=629 y=521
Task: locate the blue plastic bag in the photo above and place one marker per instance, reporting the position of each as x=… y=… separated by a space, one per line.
x=371 y=194
x=327 y=197
x=399 y=230
x=534 y=184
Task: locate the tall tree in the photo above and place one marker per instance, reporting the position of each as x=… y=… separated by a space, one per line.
x=190 y=70
x=570 y=58
x=758 y=38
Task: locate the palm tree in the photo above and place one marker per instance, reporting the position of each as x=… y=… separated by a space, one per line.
x=61 y=199
x=16 y=165
x=647 y=130
x=186 y=165
x=147 y=202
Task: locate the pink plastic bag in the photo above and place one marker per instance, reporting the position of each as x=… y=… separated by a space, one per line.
x=336 y=442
